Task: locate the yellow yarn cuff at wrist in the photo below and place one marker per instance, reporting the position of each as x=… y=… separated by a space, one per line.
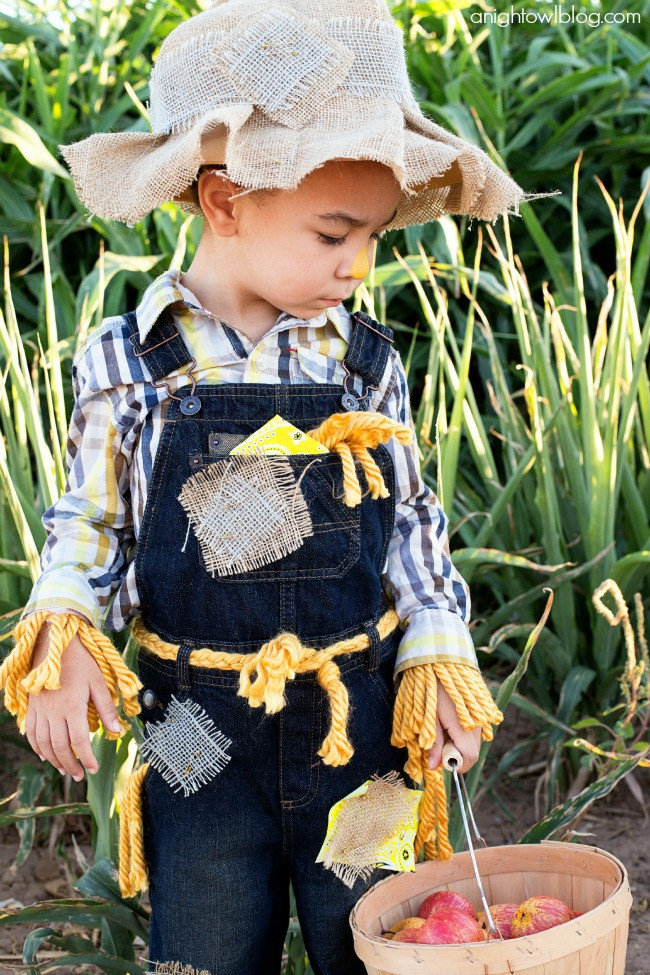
x=20 y=680
x=414 y=728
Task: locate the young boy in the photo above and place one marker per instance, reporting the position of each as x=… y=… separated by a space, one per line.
x=296 y=136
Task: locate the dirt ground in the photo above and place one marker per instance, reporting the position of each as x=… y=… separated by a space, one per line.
x=618 y=824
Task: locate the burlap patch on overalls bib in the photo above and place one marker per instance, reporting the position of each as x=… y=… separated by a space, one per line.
x=246 y=511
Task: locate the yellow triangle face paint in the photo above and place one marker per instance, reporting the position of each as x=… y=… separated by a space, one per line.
x=360 y=265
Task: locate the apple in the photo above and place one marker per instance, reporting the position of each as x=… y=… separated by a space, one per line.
x=502 y=916
x=539 y=914
x=408 y=922
x=448 y=926
x=410 y=935
x=446 y=898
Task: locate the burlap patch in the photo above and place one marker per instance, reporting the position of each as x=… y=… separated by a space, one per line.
x=246 y=510
x=285 y=65
x=176 y=968
x=185 y=747
x=364 y=823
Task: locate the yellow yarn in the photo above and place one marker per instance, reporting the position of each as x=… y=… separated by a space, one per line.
x=336 y=749
x=274 y=664
x=133 y=868
x=350 y=435
x=19 y=680
x=414 y=728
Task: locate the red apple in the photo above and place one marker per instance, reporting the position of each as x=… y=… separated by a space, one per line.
x=502 y=917
x=448 y=926
x=410 y=935
x=539 y=914
x=446 y=898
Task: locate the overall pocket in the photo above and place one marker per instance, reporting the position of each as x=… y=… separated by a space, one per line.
x=302 y=531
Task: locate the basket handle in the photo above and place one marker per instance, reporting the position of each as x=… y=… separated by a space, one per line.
x=451 y=757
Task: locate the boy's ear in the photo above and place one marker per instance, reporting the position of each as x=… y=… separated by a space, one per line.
x=215 y=190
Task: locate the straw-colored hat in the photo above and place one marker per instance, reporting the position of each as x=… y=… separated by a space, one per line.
x=273 y=90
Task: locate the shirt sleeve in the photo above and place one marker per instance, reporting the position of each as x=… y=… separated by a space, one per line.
x=90 y=528
x=429 y=594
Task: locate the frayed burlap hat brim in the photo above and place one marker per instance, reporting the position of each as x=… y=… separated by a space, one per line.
x=124 y=176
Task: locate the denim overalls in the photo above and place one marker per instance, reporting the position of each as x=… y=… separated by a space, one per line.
x=220 y=860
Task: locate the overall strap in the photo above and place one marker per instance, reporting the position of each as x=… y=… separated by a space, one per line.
x=163 y=349
x=368 y=352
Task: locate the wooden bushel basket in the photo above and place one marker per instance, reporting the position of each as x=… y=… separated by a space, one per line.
x=588 y=879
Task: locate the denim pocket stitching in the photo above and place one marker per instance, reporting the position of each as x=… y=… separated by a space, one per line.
x=347 y=520
x=383 y=690
x=314 y=766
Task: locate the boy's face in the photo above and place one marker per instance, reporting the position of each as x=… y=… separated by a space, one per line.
x=285 y=250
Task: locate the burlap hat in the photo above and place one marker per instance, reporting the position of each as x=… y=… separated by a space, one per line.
x=273 y=89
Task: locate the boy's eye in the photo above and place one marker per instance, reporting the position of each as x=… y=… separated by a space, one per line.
x=333 y=241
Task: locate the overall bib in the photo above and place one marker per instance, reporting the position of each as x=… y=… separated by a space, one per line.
x=221 y=859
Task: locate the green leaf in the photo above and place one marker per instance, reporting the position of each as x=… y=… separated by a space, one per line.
x=91 y=289
x=19 y=568
x=85 y=912
x=503 y=696
x=492 y=556
x=575 y=684
x=538 y=713
x=81 y=951
x=561 y=817
x=101 y=880
x=69 y=808
x=510 y=683
x=586 y=723
x=30 y=784
x=297 y=948
x=15 y=131
x=7 y=623
x=39 y=936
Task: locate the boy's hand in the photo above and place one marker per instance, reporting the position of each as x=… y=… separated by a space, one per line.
x=57 y=721
x=448 y=726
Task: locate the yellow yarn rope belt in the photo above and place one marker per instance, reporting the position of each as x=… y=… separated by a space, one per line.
x=274 y=664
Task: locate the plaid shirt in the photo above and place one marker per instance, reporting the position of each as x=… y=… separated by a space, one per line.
x=88 y=559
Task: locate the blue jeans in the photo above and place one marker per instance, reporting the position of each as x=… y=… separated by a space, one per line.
x=220 y=860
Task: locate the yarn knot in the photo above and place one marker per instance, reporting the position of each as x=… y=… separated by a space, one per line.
x=280 y=660
x=275 y=663
x=350 y=435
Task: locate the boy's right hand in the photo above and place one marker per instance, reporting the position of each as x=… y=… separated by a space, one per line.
x=57 y=721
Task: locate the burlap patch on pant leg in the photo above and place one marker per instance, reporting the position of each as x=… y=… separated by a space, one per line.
x=186 y=747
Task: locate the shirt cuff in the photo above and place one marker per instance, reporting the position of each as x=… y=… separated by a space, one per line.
x=53 y=612
x=64 y=591
x=435 y=635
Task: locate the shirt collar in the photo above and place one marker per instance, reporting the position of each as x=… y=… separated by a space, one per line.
x=167 y=290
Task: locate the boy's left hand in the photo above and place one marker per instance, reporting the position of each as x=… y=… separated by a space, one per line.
x=448 y=727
